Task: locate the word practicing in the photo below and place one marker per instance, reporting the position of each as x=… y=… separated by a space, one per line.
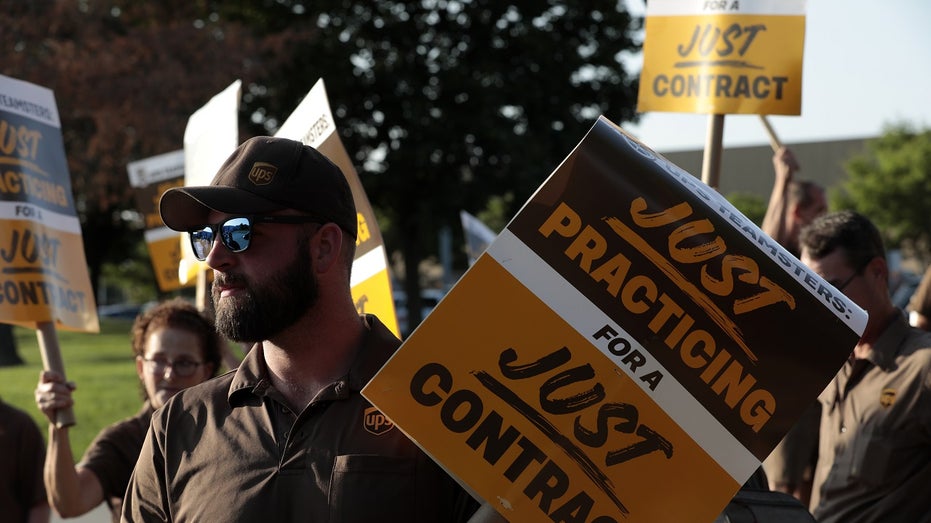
x=13 y=183
x=666 y=318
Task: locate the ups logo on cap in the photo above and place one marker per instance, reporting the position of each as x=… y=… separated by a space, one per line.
x=262 y=173
x=376 y=422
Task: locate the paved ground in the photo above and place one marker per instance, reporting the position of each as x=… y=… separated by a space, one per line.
x=98 y=515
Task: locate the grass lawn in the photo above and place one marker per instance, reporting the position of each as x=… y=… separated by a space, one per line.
x=101 y=364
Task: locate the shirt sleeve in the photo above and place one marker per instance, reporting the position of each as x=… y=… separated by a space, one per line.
x=146 y=496
x=113 y=453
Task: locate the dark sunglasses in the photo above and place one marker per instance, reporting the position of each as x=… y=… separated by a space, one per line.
x=236 y=233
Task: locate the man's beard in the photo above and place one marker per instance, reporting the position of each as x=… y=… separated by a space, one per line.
x=267 y=308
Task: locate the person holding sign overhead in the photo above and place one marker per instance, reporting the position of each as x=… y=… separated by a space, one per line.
x=175 y=347
x=874 y=456
x=793 y=204
x=287 y=436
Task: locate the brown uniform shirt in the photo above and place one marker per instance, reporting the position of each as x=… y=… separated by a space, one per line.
x=22 y=455
x=874 y=459
x=113 y=454
x=231 y=450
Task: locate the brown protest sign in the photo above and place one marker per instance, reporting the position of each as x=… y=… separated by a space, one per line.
x=619 y=353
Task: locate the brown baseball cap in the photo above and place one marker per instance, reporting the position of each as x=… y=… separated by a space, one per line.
x=263 y=175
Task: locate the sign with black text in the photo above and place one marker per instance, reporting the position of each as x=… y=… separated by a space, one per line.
x=621 y=350
x=150 y=178
x=312 y=123
x=44 y=270
x=723 y=56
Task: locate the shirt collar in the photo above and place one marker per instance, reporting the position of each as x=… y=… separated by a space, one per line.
x=378 y=344
x=887 y=345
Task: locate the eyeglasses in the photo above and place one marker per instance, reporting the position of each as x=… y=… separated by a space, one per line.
x=846 y=282
x=183 y=368
x=236 y=233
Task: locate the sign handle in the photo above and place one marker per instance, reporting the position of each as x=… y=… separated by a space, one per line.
x=200 y=297
x=773 y=139
x=51 y=360
x=711 y=163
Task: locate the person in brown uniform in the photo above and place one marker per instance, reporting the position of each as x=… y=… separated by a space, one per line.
x=175 y=347
x=919 y=306
x=793 y=204
x=287 y=436
x=874 y=457
x=22 y=451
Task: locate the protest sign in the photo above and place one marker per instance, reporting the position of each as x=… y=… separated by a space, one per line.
x=723 y=56
x=312 y=124
x=477 y=236
x=45 y=277
x=150 y=178
x=629 y=348
x=211 y=135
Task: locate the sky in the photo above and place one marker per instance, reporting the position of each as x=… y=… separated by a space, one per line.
x=867 y=64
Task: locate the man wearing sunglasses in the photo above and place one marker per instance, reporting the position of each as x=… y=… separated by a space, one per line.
x=287 y=436
x=874 y=457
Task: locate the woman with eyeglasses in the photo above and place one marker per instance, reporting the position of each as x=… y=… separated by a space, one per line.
x=175 y=347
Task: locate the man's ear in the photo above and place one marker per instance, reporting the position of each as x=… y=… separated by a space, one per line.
x=878 y=268
x=326 y=246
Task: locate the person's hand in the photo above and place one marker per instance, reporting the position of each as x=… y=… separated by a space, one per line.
x=784 y=163
x=53 y=393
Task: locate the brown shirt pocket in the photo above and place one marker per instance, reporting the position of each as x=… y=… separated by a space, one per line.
x=365 y=488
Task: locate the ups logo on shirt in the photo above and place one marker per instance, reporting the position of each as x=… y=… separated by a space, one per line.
x=887 y=397
x=375 y=422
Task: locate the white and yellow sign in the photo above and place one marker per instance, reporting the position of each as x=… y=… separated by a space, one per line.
x=723 y=56
x=150 y=178
x=312 y=124
x=620 y=351
x=211 y=135
x=43 y=269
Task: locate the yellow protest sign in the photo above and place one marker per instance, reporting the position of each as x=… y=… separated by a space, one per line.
x=42 y=262
x=150 y=178
x=723 y=56
x=312 y=123
x=619 y=353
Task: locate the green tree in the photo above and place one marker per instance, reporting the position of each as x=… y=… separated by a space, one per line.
x=890 y=183
x=446 y=104
x=126 y=77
